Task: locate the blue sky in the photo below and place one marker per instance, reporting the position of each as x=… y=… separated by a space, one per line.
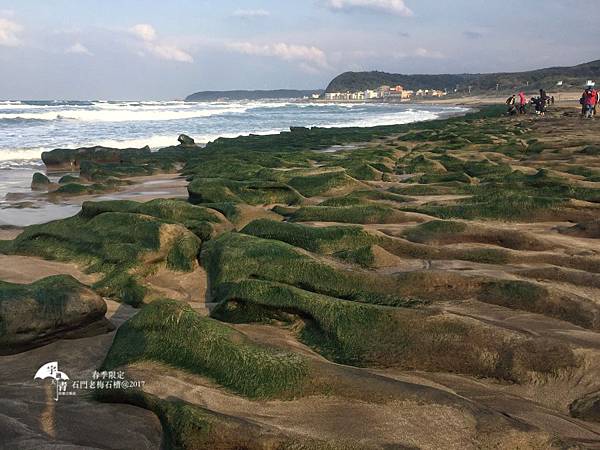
x=133 y=49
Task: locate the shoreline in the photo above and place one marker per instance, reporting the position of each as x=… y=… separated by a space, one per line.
x=465 y=100
x=39 y=205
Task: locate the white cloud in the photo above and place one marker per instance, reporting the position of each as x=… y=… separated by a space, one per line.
x=171 y=52
x=396 y=7
x=9 y=33
x=147 y=34
x=251 y=13
x=144 y=31
x=419 y=52
x=425 y=53
x=79 y=49
x=308 y=56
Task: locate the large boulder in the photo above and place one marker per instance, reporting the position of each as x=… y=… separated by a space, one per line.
x=186 y=141
x=32 y=315
x=40 y=182
x=126 y=241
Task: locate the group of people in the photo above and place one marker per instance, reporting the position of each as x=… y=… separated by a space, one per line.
x=519 y=105
x=589 y=102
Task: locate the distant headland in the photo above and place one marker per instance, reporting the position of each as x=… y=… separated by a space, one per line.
x=213 y=96
x=565 y=77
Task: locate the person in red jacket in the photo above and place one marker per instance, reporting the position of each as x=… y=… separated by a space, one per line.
x=589 y=100
x=522 y=103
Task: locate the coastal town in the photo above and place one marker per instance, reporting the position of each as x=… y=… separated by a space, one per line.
x=383 y=93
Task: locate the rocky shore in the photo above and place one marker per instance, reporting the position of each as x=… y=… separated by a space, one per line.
x=428 y=285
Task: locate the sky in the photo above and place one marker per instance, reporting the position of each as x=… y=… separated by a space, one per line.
x=157 y=50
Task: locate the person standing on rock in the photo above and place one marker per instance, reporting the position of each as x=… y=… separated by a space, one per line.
x=522 y=103
x=589 y=102
x=512 y=109
x=543 y=102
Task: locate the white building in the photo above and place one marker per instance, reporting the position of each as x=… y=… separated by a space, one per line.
x=370 y=94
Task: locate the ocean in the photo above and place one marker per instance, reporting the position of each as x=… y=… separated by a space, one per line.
x=27 y=128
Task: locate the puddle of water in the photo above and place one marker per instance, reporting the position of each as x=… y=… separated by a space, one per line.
x=39 y=213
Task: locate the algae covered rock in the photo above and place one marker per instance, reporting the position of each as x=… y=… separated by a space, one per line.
x=219 y=190
x=70 y=159
x=326 y=183
x=32 y=315
x=68 y=179
x=203 y=222
x=117 y=241
x=172 y=333
x=325 y=240
x=40 y=182
x=186 y=141
x=72 y=189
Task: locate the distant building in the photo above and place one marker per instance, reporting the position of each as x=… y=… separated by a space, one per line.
x=399 y=93
x=407 y=94
x=395 y=93
x=430 y=93
x=383 y=91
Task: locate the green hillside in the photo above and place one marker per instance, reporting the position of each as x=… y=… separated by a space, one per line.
x=574 y=76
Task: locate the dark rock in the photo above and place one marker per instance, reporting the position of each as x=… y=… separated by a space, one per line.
x=40 y=182
x=68 y=179
x=591 y=150
x=586 y=408
x=299 y=129
x=73 y=189
x=55 y=307
x=186 y=141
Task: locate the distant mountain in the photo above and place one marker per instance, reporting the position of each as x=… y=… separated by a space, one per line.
x=574 y=76
x=212 y=96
